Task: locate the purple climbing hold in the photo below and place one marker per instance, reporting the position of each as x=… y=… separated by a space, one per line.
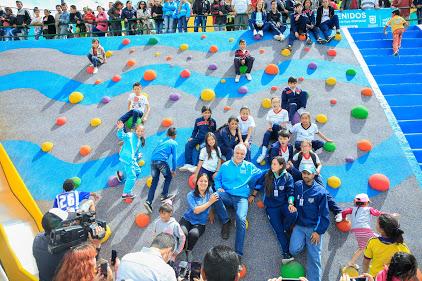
x=106 y=99
x=212 y=66
x=296 y=118
x=243 y=90
x=312 y=66
x=112 y=181
x=174 y=96
x=349 y=159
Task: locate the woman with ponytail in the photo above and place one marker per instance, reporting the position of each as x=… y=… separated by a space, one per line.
x=403 y=267
x=380 y=250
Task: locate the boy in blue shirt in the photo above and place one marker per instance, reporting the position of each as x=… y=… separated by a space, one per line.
x=160 y=155
x=72 y=200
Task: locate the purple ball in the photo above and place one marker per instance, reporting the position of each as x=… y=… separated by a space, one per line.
x=112 y=181
x=174 y=96
x=349 y=159
x=212 y=66
x=243 y=90
x=106 y=99
x=312 y=66
x=257 y=37
x=296 y=118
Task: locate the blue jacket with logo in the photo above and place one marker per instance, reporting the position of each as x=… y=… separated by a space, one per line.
x=275 y=151
x=169 y=8
x=314 y=210
x=129 y=154
x=202 y=127
x=163 y=151
x=282 y=186
x=297 y=96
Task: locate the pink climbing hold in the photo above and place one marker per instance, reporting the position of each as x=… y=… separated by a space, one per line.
x=112 y=181
x=243 y=90
x=126 y=41
x=106 y=99
x=332 y=52
x=90 y=69
x=60 y=121
x=333 y=101
x=301 y=79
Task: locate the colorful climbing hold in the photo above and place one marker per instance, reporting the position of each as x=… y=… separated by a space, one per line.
x=76 y=97
x=148 y=182
x=174 y=96
x=333 y=101
x=76 y=181
x=131 y=63
x=349 y=159
x=213 y=49
x=185 y=73
x=312 y=66
x=285 y=52
x=364 y=145
x=351 y=72
x=142 y=220
x=306 y=49
x=152 y=41
x=106 y=99
x=360 y=112
x=60 y=121
x=227 y=108
x=367 y=92
x=126 y=41
x=183 y=47
x=116 y=78
x=329 y=146
x=334 y=182
x=337 y=37
x=379 y=182
x=266 y=103
x=150 y=75
x=108 y=54
x=212 y=66
x=141 y=163
x=98 y=81
x=271 y=69
x=261 y=51
x=90 y=69
x=169 y=58
x=84 y=150
x=321 y=118
x=300 y=79
x=157 y=54
x=223 y=81
x=47 y=146
x=203 y=36
x=331 y=81
x=274 y=88
x=95 y=122
x=167 y=122
x=332 y=52
x=344 y=226
x=242 y=90
x=302 y=37
x=243 y=69
x=231 y=39
x=131 y=50
x=207 y=94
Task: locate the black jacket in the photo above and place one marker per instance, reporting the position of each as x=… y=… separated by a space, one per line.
x=159 y=11
x=319 y=14
x=200 y=7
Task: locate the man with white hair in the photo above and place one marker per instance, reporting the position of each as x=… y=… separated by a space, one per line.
x=232 y=185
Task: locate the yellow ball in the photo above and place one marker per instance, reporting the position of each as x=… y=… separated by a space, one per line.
x=334 y=182
x=157 y=54
x=338 y=37
x=141 y=163
x=331 y=81
x=231 y=39
x=109 y=54
x=247 y=224
x=222 y=81
x=285 y=52
x=47 y=146
x=207 y=95
x=321 y=118
x=107 y=234
x=266 y=103
x=95 y=122
x=76 y=97
x=149 y=182
x=183 y=47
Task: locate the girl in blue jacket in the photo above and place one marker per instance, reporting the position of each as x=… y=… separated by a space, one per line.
x=259 y=19
x=278 y=192
x=182 y=13
x=168 y=11
x=228 y=136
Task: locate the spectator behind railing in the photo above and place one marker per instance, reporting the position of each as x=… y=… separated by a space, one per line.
x=157 y=14
x=37 y=23
x=144 y=23
x=114 y=16
x=101 y=26
x=128 y=14
x=23 y=19
x=64 y=20
x=7 y=20
x=49 y=26
x=89 y=19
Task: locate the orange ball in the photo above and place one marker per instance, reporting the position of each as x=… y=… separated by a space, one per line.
x=379 y=182
x=116 y=78
x=260 y=204
x=130 y=63
x=367 y=92
x=126 y=41
x=364 y=145
x=150 y=75
x=344 y=226
x=98 y=81
x=271 y=69
x=302 y=37
x=142 y=220
x=213 y=49
x=191 y=181
x=227 y=108
x=167 y=122
x=242 y=272
x=85 y=150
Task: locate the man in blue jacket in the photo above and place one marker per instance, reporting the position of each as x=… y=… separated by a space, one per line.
x=232 y=185
x=310 y=201
x=128 y=14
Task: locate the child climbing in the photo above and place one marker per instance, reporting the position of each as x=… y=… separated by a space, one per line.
x=72 y=200
x=275 y=22
x=293 y=99
x=209 y=158
x=203 y=125
x=297 y=26
x=129 y=156
x=243 y=58
x=164 y=150
x=306 y=130
x=138 y=107
x=96 y=55
x=258 y=20
x=228 y=136
x=246 y=127
x=360 y=216
x=398 y=25
x=278 y=119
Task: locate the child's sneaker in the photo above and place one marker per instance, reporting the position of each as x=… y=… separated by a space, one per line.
x=192 y=169
x=331 y=37
x=167 y=197
x=260 y=158
x=289 y=47
x=119 y=176
x=95 y=70
x=339 y=217
x=396 y=53
x=186 y=167
x=128 y=196
x=237 y=78
x=287 y=257
x=277 y=37
x=261 y=33
x=337 y=31
x=148 y=206
x=248 y=76
x=254 y=32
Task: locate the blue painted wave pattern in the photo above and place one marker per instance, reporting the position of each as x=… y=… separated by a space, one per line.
x=44 y=174
x=60 y=87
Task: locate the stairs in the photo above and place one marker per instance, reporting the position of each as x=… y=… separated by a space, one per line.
x=399 y=78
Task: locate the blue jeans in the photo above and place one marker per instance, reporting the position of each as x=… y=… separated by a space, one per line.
x=301 y=237
x=272 y=26
x=131 y=173
x=168 y=24
x=281 y=220
x=326 y=26
x=200 y=21
x=182 y=24
x=315 y=32
x=63 y=31
x=158 y=167
x=248 y=153
x=158 y=26
x=240 y=204
x=271 y=135
x=189 y=147
x=134 y=113
x=94 y=60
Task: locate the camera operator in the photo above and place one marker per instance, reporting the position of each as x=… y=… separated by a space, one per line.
x=47 y=262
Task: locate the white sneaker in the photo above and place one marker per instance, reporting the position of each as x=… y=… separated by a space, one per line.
x=301 y=110
x=277 y=37
x=260 y=158
x=282 y=37
x=185 y=167
x=261 y=33
x=248 y=76
x=254 y=32
x=339 y=217
x=192 y=169
x=95 y=70
x=237 y=78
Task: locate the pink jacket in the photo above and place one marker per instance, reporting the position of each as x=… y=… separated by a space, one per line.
x=102 y=23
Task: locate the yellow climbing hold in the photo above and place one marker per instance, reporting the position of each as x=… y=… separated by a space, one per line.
x=95 y=122
x=157 y=54
x=285 y=52
x=262 y=163
x=334 y=182
x=141 y=163
x=76 y=97
x=222 y=81
x=109 y=54
x=331 y=81
x=47 y=146
x=207 y=95
x=266 y=103
x=337 y=37
x=183 y=47
x=231 y=39
x=247 y=223
x=321 y=118
x=149 y=182
x=197 y=147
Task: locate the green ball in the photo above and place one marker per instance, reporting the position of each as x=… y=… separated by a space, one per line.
x=152 y=41
x=292 y=269
x=130 y=121
x=76 y=181
x=329 y=146
x=243 y=69
x=351 y=72
x=360 y=112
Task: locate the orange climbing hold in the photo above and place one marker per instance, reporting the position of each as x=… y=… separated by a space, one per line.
x=130 y=63
x=126 y=41
x=261 y=51
x=150 y=75
x=98 y=81
x=167 y=122
x=60 y=121
x=274 y=88
x=332 y=52
x=260 y=204
x=302 y=37
x=364 y=145
x=379 y=182
x=85 y=150
x=213 y=49
x=227 y=108
x=367 y=92
x=116 y=78
x=271 y=69
x=169 y=58
x=142 y=220
x=185 y=73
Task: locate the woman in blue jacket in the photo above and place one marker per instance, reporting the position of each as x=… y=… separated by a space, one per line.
x=228 y=136
x=259 y=19
x=182 y=13
x=168 y=11
x=278 y=192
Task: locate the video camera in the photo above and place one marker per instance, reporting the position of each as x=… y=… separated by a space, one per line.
x=75 y=232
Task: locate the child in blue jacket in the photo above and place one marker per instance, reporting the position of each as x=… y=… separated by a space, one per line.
x=293 y=99
x=129 y=156
x=168 y=11
x=311 y=22
x=228 y=136
x=203 y=125
x=283 y=148
x=278 y=197
x=182 y=13
x=259 y=19
x=297 y=25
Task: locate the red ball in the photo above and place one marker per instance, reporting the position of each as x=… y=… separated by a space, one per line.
x=379 y=182
x=331 y=52
x=333 y=101
x=242 y=272
x=60 y=121
x=90 y=69
x=185 y=73
x=301 y=79
x=274 y=88
x=191 y=181
x=344 y=226
x=142 y=220
x=126 y=41
x=116 y=78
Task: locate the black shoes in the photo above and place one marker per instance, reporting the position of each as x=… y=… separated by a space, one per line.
x=225 y=230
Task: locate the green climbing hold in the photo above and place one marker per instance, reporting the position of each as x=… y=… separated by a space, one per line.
x=351 y=72
x=329 y=146
x=292 y=269
x=76 y=181
x=152 y=41
x=360 y=112
x=130 y=121
x=243 y=69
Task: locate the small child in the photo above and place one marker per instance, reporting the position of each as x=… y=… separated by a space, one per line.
x=203 y=125
x=361 y=223
x=209 y=158
x=305 y=130
x=159 y=158
x=278 y=119
x=297 y=26
x=138 y=106
x=72 y=200
x=326 y=20
x=398 y=25
x=275 y=22
x=246 y=127
x=129 y=156
x=168 y=224
x=258 y=20
x=216 y=9
x=243 y=57
x=283 y=148
x=228 y=137
x=37 y=22
x=96 y=55
x=293 y=99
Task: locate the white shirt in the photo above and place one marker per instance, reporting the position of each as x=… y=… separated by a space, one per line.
x=284 y=154
x=306 y=161
x=368 y=4
x=325 y=15
x=209 y=164
x=304 y=134
x=245 y=125
x=138 y=102
x=277 y=118
x=146 y=265
x=241 y=6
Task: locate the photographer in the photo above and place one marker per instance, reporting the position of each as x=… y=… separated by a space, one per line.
x=221 y=263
